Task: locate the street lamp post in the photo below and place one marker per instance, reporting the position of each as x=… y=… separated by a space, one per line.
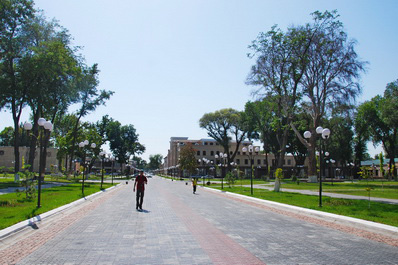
x=102 y=155
x=250 y=154
x=82 y=145
x=112 y=159
x=223 y=158
x=47 y=127
x=324 y=133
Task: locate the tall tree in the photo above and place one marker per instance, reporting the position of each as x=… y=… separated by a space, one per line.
x=260 y=116
x=15 y=15
x=381 y=123
x=280 y=64
x=223 y=126
x=331 y=73
x=123 y=141
x=50 y=68
x=89 y=98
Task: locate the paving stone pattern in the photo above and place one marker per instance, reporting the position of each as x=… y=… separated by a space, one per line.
x=178 y=227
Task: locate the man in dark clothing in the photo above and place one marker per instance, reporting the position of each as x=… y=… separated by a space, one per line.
x=140 y=182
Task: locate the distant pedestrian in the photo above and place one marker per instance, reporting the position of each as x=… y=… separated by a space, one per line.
x=140 y=182
x=194 y=184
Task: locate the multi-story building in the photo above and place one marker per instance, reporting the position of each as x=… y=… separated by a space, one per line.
x=207 y=149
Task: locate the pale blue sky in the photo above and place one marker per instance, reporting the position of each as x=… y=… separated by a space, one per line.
x=171 y=61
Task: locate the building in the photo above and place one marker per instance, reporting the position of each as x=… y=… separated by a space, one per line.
x=207 y=149
x=374 y=167
x=7 y=158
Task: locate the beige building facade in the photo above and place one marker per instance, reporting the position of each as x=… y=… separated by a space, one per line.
x=7 y=158
x=207 y=149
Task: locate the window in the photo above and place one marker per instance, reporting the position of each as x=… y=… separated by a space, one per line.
x=204 y=153
x=1 y=152
x=265 y=161
x=211 y=143
x=238 y=153
x=205 y=143
x=289 y=162
x=246 y=161
x=198 y=153
x=258 y=161
x=218 y=152
x=238 y=161
x=212 y=153
x=244 y=153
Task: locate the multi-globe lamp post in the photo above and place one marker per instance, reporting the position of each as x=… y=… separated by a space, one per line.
x=82 y=145
x=47 y=126
x=324 y=134
x=102 y=155
x=223 y=157
x=250 y=151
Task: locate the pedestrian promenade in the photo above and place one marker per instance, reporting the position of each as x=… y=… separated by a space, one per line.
x=178 y=227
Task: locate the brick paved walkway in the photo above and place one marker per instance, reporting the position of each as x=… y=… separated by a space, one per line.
x=178 y=227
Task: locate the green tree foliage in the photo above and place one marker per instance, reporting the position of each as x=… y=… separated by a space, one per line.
x=259 y=117
x=187 y=159
x=379 y=114
x=314 y=67
x=223 y=126
x=89 y=98
x=15 y=15
x=123 y=141
x=7 y=136
x=155 y=161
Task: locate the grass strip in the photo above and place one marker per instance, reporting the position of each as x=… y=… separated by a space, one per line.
x=377 y=212
x=15 y=207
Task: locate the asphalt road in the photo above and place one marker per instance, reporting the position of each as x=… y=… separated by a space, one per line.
x=179 y=227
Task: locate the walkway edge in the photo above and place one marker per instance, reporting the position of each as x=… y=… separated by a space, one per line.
x=29 y=222
x=335 y=218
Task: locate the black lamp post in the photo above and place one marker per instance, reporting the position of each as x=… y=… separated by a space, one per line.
x=82 y=145
x=324 y=133
x=47 y=127
x=250 y=154
x=102 y=155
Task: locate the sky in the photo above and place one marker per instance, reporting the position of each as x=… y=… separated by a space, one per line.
x=171 y=61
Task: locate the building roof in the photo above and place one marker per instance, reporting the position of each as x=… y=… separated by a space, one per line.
x=376 y=162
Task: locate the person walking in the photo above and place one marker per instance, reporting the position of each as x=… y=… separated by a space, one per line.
x=140 y=182
x=194 y=184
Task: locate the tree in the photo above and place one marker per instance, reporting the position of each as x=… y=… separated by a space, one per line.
x=259 y=117
x=331 y=73
x=379 y=114
x=123 y=141
x=13 y=47
x=7 y=136
x=139 y=162
x=224 y=125
x=187 y=159
x=89 y=98
x=155 y=161
x=50 y=68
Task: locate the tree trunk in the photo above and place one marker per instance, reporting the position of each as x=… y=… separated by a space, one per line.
x=33 y=141
x=16 y=146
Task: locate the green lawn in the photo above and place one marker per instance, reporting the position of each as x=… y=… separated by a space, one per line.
x=387 y=190
x=378 y=212
x=16 y=208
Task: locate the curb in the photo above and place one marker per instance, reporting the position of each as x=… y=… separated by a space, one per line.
x=334 y=218
x=38 y=218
